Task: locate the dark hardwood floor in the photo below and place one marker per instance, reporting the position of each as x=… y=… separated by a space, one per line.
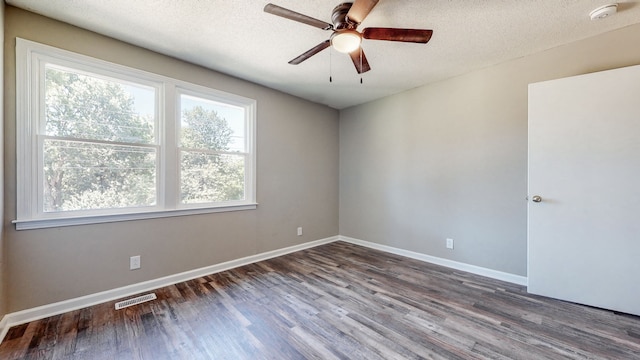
x=336 y=301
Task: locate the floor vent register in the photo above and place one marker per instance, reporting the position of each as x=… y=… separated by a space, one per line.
x=135 y=301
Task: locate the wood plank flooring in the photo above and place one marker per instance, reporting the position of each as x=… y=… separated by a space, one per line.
x=336 y=301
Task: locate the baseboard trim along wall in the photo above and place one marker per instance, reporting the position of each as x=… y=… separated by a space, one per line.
x=494 y=274
x=41 y=312
x=4 y=327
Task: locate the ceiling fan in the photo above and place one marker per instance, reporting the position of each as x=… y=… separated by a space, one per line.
x=345 y=37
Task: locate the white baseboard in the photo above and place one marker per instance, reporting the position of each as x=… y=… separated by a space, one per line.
x=494 y=274
x=4 y=327
x=41 y=312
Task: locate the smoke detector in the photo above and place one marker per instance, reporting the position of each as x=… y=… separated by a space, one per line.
x=603 y=12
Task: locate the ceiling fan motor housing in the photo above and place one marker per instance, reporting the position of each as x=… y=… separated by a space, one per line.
x=339 y=17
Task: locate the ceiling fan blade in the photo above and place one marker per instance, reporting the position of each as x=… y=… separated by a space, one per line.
x=309 y=53
x=361 y=66
x=393 y=34
x=292 y=15
x=360 y=9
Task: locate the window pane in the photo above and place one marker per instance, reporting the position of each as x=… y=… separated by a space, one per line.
x=87 y=107
x=83 y=176
x=211 y=125
x=208 y=178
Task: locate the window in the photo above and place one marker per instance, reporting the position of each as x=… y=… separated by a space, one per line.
x=99 y=150
x=99 y=142
x=213 y=152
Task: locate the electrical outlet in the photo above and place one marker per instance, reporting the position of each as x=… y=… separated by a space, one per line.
x=299 y=230
x=134 y=262
x=449 y=243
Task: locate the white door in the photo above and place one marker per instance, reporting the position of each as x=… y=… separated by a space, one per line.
x=584 y=164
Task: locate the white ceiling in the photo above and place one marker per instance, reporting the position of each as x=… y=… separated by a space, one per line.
x=236 y=37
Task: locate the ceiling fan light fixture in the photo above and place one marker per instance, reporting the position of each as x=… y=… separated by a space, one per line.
x=346 y=41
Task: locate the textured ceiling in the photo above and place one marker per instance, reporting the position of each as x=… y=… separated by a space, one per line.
x=236 y=37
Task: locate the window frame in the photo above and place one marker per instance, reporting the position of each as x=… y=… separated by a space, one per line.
x=31 y=58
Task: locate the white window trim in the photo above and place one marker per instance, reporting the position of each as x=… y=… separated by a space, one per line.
x=30 y=54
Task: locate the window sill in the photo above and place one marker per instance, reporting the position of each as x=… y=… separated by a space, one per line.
x=99 y=219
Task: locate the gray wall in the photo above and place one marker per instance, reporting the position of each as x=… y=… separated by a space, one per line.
x=3 y=301
x=450 y=159
x=297 y=147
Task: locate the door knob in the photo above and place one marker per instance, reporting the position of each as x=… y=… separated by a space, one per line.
x=536 y=198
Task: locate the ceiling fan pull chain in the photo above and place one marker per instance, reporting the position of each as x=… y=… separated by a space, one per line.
x=360 y=64
x=330 y=67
